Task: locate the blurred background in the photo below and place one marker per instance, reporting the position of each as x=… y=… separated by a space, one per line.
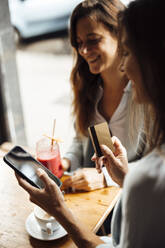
x=35 y=65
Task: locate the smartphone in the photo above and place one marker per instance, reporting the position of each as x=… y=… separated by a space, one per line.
x=100 y=134
x=25 y=166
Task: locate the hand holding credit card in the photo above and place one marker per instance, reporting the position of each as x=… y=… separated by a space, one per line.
x=100 y=135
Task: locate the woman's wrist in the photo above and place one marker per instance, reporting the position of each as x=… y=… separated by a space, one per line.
x=65 y=164
x=79 y=233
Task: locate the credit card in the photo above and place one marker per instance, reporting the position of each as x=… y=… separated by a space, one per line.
x=100 y=135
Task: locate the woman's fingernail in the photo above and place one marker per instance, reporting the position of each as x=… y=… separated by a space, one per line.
x=40 y=171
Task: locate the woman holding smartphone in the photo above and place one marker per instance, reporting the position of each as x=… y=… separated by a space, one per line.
x=143 y=201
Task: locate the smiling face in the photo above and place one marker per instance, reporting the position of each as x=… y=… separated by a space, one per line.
x=130 y=66
x=96 y=45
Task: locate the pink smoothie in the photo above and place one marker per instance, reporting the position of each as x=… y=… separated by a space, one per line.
x=52 y=161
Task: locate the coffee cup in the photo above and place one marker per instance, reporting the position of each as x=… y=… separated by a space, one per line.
x=47 y=223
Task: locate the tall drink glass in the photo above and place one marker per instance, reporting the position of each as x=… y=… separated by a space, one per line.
x=49 y=155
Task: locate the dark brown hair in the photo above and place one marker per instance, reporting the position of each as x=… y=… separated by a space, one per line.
x=142 y=21
x=84 y=83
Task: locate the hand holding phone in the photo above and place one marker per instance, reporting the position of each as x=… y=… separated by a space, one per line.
x=26 y=166
x=99 y=135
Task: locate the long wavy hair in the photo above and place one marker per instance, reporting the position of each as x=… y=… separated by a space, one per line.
x=142 y=21
x=84 y=83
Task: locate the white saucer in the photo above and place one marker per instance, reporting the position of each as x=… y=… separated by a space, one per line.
x=34 y=230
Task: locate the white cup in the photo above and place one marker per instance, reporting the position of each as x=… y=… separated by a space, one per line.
x=47 y=223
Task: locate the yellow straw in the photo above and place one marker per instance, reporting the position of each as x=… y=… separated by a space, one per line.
x=52 y=139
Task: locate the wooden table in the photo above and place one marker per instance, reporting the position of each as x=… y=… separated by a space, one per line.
x=91 y=208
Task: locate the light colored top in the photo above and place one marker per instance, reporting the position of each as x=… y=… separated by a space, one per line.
x=143 y=204
x=119 y=122
x=81 y=150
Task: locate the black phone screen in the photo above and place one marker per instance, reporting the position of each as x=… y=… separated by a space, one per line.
x=22 y=162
